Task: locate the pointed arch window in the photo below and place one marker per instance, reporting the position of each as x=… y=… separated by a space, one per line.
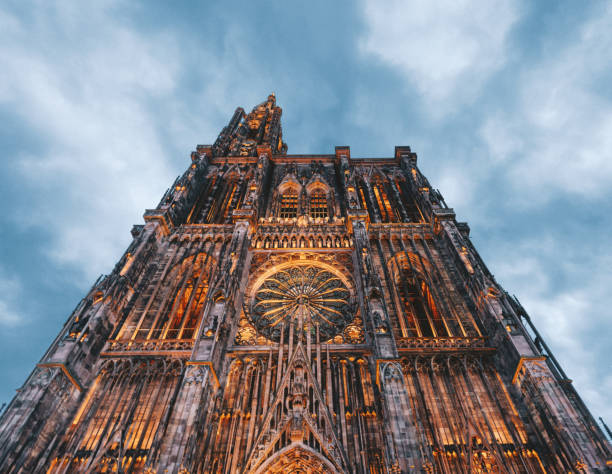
x=188 y=304
x=421 y=314
x=318 y=204
x=412 y=209
x=229 y=196
x=198 y=212
x=143 y=389
x=226 y=201
x=382 y=200
x=362 y=196
x=175 y=314
x=289 y=204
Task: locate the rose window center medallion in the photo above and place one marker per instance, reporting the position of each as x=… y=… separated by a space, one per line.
x=306 y=297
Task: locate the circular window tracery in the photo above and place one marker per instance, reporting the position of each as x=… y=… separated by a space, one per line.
x=307 y=295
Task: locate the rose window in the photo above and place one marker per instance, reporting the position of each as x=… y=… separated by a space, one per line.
x=306 y=297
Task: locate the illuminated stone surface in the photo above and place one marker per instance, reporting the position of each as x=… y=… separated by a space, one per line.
x=298 y=314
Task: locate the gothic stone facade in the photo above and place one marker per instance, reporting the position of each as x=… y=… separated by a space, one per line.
x=298 y=313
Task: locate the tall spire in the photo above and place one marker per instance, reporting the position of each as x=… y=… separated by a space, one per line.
x=244 y=132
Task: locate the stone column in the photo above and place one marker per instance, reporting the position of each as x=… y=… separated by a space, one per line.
x=401 y=438
x=207 y=363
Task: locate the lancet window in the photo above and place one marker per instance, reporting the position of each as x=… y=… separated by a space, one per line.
x=468 y=432
x=125 y=398
x=173 y=314
x=289 y=204
x=187 y=307
x=218 y=197
x=318 y=205
x=226 y=200
x=363 y=196
x=184 y=311
x=200 y=211
x=382 y=201
x=422 y=315
x=412 y=210
x=229 y=196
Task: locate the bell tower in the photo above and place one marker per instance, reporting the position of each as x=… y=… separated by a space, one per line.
x=298 y=313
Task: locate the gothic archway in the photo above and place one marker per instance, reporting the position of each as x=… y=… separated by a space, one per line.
x=297 y=458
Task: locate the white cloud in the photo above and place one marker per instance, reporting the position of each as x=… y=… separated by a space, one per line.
x=573 y=316
x=559 y=137
x=575 y=323
x=10 y=290
x=105 y=99
x=447 y=49
x=83 y=84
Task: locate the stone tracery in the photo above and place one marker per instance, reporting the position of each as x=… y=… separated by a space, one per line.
x=305 y=296
x=304 y=313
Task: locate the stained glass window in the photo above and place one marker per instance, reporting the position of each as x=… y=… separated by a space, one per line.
x=318 y=205
x=289 y=204
x=305 y=296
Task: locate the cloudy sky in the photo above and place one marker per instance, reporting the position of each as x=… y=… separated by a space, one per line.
x=508 y=105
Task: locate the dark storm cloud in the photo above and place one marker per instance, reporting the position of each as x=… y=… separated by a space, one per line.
x=507 y=104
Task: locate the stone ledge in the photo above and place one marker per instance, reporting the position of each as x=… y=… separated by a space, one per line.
x=66 y=372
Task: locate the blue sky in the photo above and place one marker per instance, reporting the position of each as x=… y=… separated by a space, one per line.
x=508 y=105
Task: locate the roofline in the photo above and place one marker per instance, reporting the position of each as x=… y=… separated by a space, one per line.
x=341 y=151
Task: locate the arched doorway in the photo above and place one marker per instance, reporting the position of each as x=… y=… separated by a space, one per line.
x=297 y=458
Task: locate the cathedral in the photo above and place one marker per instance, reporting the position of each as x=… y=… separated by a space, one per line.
x=299 y=314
